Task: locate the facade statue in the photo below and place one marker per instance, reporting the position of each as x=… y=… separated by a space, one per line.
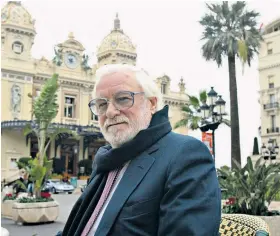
x=16 y=99
x=58 y=57
x=84 y=63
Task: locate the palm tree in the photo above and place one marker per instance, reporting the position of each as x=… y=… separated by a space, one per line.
x=191 y=112
x=231 y=32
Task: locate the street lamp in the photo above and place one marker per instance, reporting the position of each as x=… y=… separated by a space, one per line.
x=271 y=151
x=212 y=114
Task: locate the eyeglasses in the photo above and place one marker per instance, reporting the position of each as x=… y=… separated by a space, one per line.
x=121 y=101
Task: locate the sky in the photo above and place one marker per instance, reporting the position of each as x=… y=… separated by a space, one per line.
x=167 y=35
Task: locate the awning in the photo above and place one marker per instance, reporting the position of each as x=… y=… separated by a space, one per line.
x=82 y=130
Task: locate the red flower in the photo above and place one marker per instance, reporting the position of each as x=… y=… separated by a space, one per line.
x=9 y=195
x=231 y=201
x=45 y=195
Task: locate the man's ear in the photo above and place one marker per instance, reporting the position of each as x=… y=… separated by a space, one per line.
x=153 y=103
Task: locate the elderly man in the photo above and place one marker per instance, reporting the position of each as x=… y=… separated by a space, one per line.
x=149 y=180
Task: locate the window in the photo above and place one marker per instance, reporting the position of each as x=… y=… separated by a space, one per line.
x=17 y=47
x=69 y=107
x=269 y=48
x=37 y=93
x=276 y=27
x=273 y=122
x=13 y=163
x=94 y=117
x=271 y=85
x=272 y=98
x=163 y=88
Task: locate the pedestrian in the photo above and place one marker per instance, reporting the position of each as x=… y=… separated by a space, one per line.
x=149 y=180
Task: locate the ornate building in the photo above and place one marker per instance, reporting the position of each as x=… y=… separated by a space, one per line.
x=269 y=78
x=23 y=75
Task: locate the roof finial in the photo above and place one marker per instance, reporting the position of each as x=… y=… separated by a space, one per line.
x=182 y=85
x=117 y=24
x=71 y=35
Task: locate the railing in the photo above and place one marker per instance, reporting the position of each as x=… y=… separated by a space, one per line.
x=271 y=105
x=273 y=130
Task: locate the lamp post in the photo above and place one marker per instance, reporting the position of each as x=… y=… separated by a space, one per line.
x=271 y=151
x=212 y=114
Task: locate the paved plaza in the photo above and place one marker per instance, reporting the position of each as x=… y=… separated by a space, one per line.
x=66 y=202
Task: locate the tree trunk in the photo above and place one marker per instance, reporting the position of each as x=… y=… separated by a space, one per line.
x=234 y=117
x=43 y=138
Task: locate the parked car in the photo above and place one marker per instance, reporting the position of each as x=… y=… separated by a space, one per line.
x=57 y=186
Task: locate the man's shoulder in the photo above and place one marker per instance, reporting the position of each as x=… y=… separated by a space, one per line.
x=183 y=144
x=180 y=138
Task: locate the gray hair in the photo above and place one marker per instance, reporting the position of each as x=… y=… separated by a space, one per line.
x=148 y=85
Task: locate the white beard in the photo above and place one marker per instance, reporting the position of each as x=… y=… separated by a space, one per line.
x=118 y=137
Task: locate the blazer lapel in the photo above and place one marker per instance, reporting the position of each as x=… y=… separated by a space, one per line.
x=134 y=174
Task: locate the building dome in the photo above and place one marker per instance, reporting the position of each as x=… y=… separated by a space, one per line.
x=14 y=15
x=117 y=42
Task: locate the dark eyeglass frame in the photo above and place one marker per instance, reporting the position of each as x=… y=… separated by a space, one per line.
x=108 y=101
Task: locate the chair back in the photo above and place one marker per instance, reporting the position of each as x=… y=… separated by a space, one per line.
x=242 y=225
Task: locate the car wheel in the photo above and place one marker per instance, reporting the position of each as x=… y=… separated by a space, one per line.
x=54 y=191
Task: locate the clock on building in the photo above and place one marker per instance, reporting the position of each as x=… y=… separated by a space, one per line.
x=71 y=60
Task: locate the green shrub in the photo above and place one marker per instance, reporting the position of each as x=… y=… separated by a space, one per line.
x=32 y=200
x=56 y=176
x=252 y=187
x=9 y=196
x=256 y=147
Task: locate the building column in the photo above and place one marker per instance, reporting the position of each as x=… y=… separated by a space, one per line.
x=86 y=154
x=52 y=149
x=81 y=148
x=58 y=151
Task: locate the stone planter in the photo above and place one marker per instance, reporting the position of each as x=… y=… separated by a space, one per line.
x=38 y=212
x=273 y=224
x=6 y=208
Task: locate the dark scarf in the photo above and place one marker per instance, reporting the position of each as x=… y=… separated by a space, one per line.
x=107 y=159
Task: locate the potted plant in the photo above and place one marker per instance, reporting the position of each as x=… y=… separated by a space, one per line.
x=44 y=109
x=6 y=206
x=251 y=189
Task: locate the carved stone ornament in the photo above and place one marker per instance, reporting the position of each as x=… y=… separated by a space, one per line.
x=58 y=57
x=15 y=100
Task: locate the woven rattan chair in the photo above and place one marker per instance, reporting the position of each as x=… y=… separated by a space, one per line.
x=242 y=225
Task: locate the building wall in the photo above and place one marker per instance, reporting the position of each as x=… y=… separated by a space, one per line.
x=269 y=79
x=13 y=146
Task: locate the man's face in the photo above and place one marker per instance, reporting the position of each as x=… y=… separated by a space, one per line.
x=120 y=126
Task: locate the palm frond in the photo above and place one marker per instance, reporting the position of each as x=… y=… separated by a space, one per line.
x=45 y=107
x=230 y=30
x=194 y=101
x=226 y=122
x=181 y=123
x=203 y=96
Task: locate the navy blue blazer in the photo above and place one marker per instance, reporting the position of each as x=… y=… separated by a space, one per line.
x=170 y=189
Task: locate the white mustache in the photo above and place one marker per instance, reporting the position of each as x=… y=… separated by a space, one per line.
x=114 y=121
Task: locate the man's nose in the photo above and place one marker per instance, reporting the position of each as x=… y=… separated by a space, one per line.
x=112 y=111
